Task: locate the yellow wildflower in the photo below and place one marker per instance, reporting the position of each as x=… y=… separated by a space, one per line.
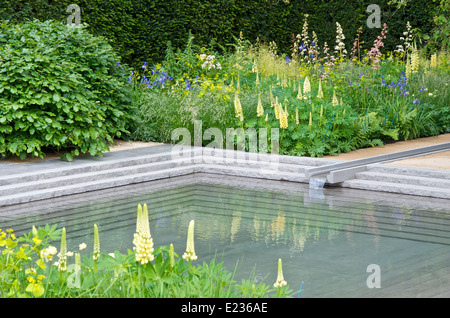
x=297 y=121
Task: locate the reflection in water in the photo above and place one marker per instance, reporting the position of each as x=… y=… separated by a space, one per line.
x=325 y=241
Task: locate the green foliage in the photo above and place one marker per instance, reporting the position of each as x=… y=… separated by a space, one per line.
x=139 y=30
x=60 y=88
x=374 y=105
x=26 y=273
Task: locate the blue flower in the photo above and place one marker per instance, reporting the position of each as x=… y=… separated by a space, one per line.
x=302 y=47
x=313 y=44
x=416 y=102
x=288 y=60
x=145 y=66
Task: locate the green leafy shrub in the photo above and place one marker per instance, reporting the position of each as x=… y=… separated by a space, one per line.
x=139 y=30
x=60 y=87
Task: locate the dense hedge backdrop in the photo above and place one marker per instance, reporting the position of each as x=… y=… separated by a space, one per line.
x=139 y=29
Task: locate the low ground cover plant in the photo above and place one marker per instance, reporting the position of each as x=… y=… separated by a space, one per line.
x=32 y=266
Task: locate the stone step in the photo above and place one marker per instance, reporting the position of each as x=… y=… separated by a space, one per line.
x=47 y=181
x=410 y=171
x=94 y=185
x=404 y=179
x=401 y=188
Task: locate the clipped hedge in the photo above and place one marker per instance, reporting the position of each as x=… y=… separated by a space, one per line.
x=139 y=29
x=60 y=88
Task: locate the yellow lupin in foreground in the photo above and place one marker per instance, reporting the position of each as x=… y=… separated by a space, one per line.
x=280 y=279
x=143 y=242
x=189 y=255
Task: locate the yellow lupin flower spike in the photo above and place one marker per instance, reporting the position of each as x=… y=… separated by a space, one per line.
x=171 y=256
x=297 y=120
x=335 y=100
x=299 y=94
x=283 y=118
x=280 y=279
x=306 y=88
x=62 y=255
x=189 y=255
x=310 y=119
x=433 y=62
x=260 y=108
x=96 y=253
x=320 y=92
x=238 y=107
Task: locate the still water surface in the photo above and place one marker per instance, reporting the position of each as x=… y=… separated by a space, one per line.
x=326 y=239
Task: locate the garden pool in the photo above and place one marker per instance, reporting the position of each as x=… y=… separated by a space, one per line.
x=326 y=238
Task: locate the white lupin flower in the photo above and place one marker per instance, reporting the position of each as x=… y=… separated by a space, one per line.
x=320 y=92
x=143 y=242
x=340 y=46
x=189 y=255
x=280 y=279
x=306 y=88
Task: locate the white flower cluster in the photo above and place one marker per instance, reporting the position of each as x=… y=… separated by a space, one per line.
x=143 y=247
x=340 y=46
x=143 y=242
x=407 y=45
x=209 y=62
x=48 y=253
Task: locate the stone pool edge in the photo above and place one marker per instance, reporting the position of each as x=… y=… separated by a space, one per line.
x=21 y=183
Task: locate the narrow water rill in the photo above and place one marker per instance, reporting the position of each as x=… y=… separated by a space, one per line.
x=328 y=242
